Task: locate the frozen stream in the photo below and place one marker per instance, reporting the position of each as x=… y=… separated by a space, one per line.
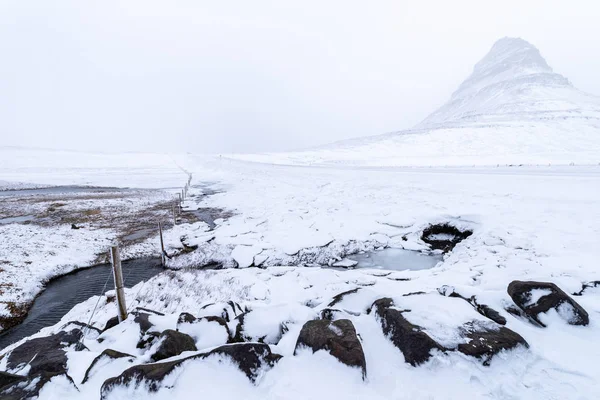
x=396 y=259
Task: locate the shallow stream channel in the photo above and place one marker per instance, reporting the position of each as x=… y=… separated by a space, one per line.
x=63 y=293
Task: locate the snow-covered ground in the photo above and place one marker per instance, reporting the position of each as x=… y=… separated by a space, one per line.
x=529 y=223
x=20 y=165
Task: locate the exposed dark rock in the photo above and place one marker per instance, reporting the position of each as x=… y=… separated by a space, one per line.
x=29 y=388
x=147 y=340
x=7 y=379
x=485 y=310
x=330 y=314
x=413 y=294
x=555 y=298
x=490 y=313
x=173 y=343
x=239 y=329
x=108 y=353
x=185 y=318
x=46 y=358
x=586 y=286
x=190 y=319
x=111 y=323
x=415 y=344
x=487 y=340
x=143 y=320
x=452 y=234
x=513 y=310
x=337 y=337
x=251 y=358
x=44 y=354
x=337 y=298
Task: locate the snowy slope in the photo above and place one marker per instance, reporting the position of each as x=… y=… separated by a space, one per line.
x=513 y=109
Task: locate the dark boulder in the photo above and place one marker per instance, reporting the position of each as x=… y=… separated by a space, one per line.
x=251 y=358
x=535 y=298
x=413 y=342
x=484 y=341
x=44 y=354
x=337 y=337
x=444 y=236
x=108 y=353
x=173 y=343
x=46 y=359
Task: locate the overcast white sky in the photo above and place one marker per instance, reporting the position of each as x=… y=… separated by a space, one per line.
x=248 y=76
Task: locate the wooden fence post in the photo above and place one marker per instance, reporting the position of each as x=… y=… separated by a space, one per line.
x=118 y=275
x=162 y=245
x=174 y=215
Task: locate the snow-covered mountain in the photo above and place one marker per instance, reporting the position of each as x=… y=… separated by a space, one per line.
x=513 y=109
x=513 y=82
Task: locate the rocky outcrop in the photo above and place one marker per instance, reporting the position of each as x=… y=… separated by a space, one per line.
x=172 y=343
x=45 y=358
x=413 y=342
x=251 y=358
x=337 y=337
x=536 y=298
x=486 y=340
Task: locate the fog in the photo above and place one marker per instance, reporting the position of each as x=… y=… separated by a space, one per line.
x=254 y=76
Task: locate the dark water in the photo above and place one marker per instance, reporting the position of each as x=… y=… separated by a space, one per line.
x=396 y=259
x=65 y=292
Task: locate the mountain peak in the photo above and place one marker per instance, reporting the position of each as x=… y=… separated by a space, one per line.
x=512 y=77
x=509 y=58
